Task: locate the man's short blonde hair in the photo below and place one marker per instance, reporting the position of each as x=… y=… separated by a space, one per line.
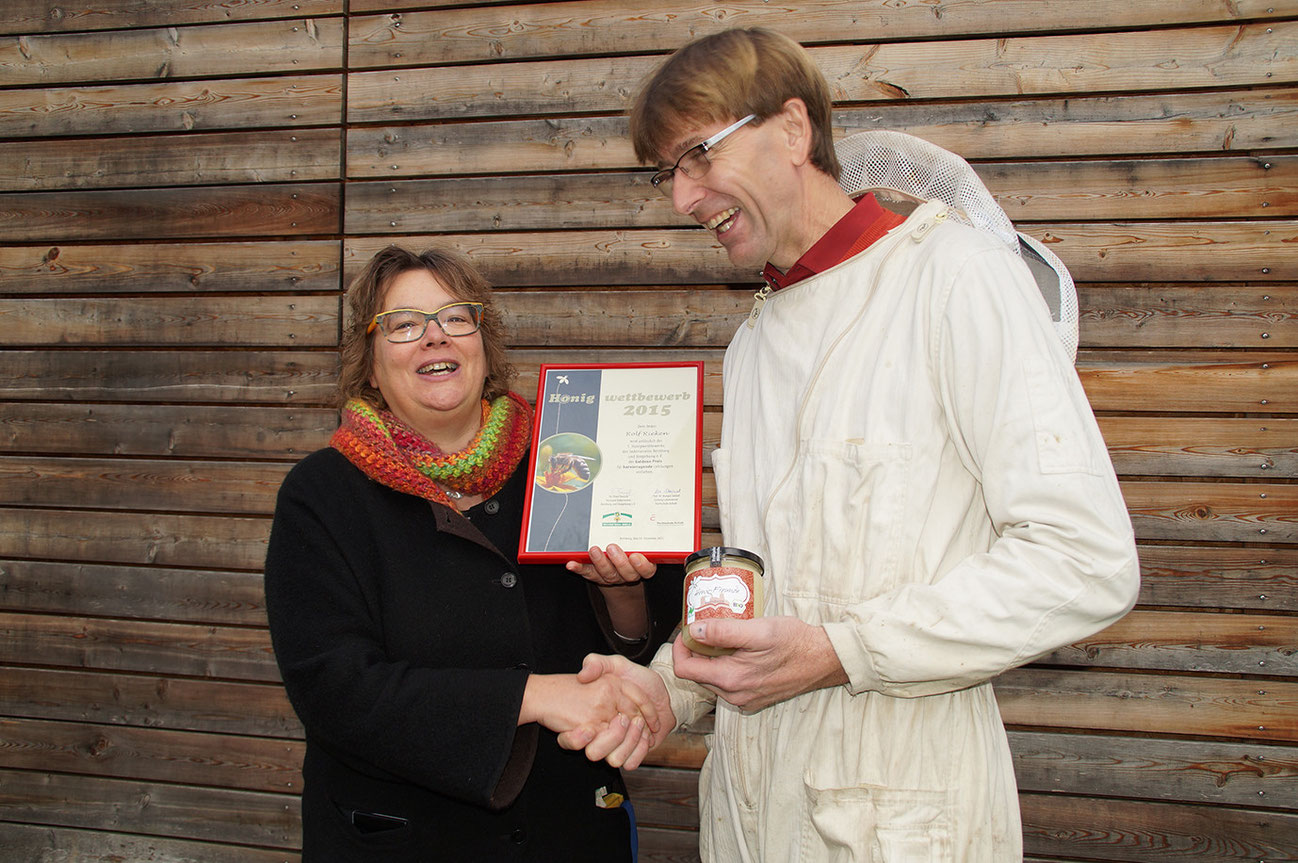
x=719 y=78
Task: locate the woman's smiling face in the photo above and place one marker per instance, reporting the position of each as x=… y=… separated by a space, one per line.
x=435 y=383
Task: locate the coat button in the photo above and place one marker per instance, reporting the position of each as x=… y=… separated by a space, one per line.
x=491 y=507
x=508 y=580
x=519 y=836
x=522 y=666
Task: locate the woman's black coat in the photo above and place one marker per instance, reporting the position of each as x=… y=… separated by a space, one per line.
x=405 y=634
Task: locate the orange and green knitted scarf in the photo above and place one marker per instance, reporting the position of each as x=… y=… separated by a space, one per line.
x=392 y=453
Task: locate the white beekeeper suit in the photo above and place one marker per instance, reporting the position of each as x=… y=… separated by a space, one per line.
x=908 y=448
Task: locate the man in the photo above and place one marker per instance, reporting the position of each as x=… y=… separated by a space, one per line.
x=907 y=447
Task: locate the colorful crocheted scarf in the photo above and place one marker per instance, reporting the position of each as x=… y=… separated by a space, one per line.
x=391 y=452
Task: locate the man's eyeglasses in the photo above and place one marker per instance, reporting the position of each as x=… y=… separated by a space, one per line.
x=694 y=163
x=408 y=325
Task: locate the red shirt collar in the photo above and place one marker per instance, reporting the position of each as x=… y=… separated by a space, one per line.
x=859 y=227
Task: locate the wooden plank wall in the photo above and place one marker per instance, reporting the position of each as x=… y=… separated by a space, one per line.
x=185 y=185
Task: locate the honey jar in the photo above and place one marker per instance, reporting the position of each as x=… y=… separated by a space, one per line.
x=721 y=582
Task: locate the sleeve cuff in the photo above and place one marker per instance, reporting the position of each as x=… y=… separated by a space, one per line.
x=855 y=658
x=690 y=702
x=517 y=768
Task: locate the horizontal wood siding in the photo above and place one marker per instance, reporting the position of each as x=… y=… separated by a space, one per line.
x=186 y=186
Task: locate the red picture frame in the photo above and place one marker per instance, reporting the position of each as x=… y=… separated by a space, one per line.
x=616 y=457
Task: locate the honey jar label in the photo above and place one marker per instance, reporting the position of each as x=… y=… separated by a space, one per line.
x=725 y=591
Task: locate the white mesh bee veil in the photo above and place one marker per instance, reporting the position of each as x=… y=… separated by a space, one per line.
x=883 y=161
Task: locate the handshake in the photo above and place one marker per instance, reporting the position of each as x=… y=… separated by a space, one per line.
x=613 y=709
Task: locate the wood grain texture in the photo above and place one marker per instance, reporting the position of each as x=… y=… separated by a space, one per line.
x=1130 y=62
x=244 y=377
x=258 y=266
x=123 y=752
x=1147 y=251
x=1151 y=188
x=357 y=6
x=1236 y=774
x=1139 y=832
x=287 y=210
x=1201 y=447
x=122 y=109
x=558 y=29
x=164 y=539
x=1112 y=126
x=1203 y=576
x=576 y=258
x=50 y=16
x=290 y=155
x=124 y=806
x=1253 y=644
x=1118 y=252
x=1236 y=512
x=1172 y=11
x=1188 y=123
x=165 y=430
x=211 y=50
x=242 y=488
x=509 y=203
x=664 y=797
x=1187 y=315
x=661 y=845
x=30 y=842
x=1189 y=381
x=624 y=318
x=275 y=321
x=1118 y=189
x=133 y=592
x=171 y=649
x=1149 y=703
x=152 y=701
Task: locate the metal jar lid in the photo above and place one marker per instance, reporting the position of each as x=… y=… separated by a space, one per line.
x=716 y=553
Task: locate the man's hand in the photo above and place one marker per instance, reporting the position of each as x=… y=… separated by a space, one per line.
x=775 y=659
x=601 y=707
x=618 y=743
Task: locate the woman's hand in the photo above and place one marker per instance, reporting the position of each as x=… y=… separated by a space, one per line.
x=613 y=567
x=615 y=742
x=567 y=705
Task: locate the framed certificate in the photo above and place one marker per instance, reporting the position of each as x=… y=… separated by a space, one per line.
x=616 y=458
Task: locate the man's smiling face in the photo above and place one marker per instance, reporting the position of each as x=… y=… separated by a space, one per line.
x=739 y=198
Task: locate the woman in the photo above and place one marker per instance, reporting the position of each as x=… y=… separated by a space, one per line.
x=430 y=670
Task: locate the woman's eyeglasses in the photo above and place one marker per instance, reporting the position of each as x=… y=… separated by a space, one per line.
x=408 y=325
